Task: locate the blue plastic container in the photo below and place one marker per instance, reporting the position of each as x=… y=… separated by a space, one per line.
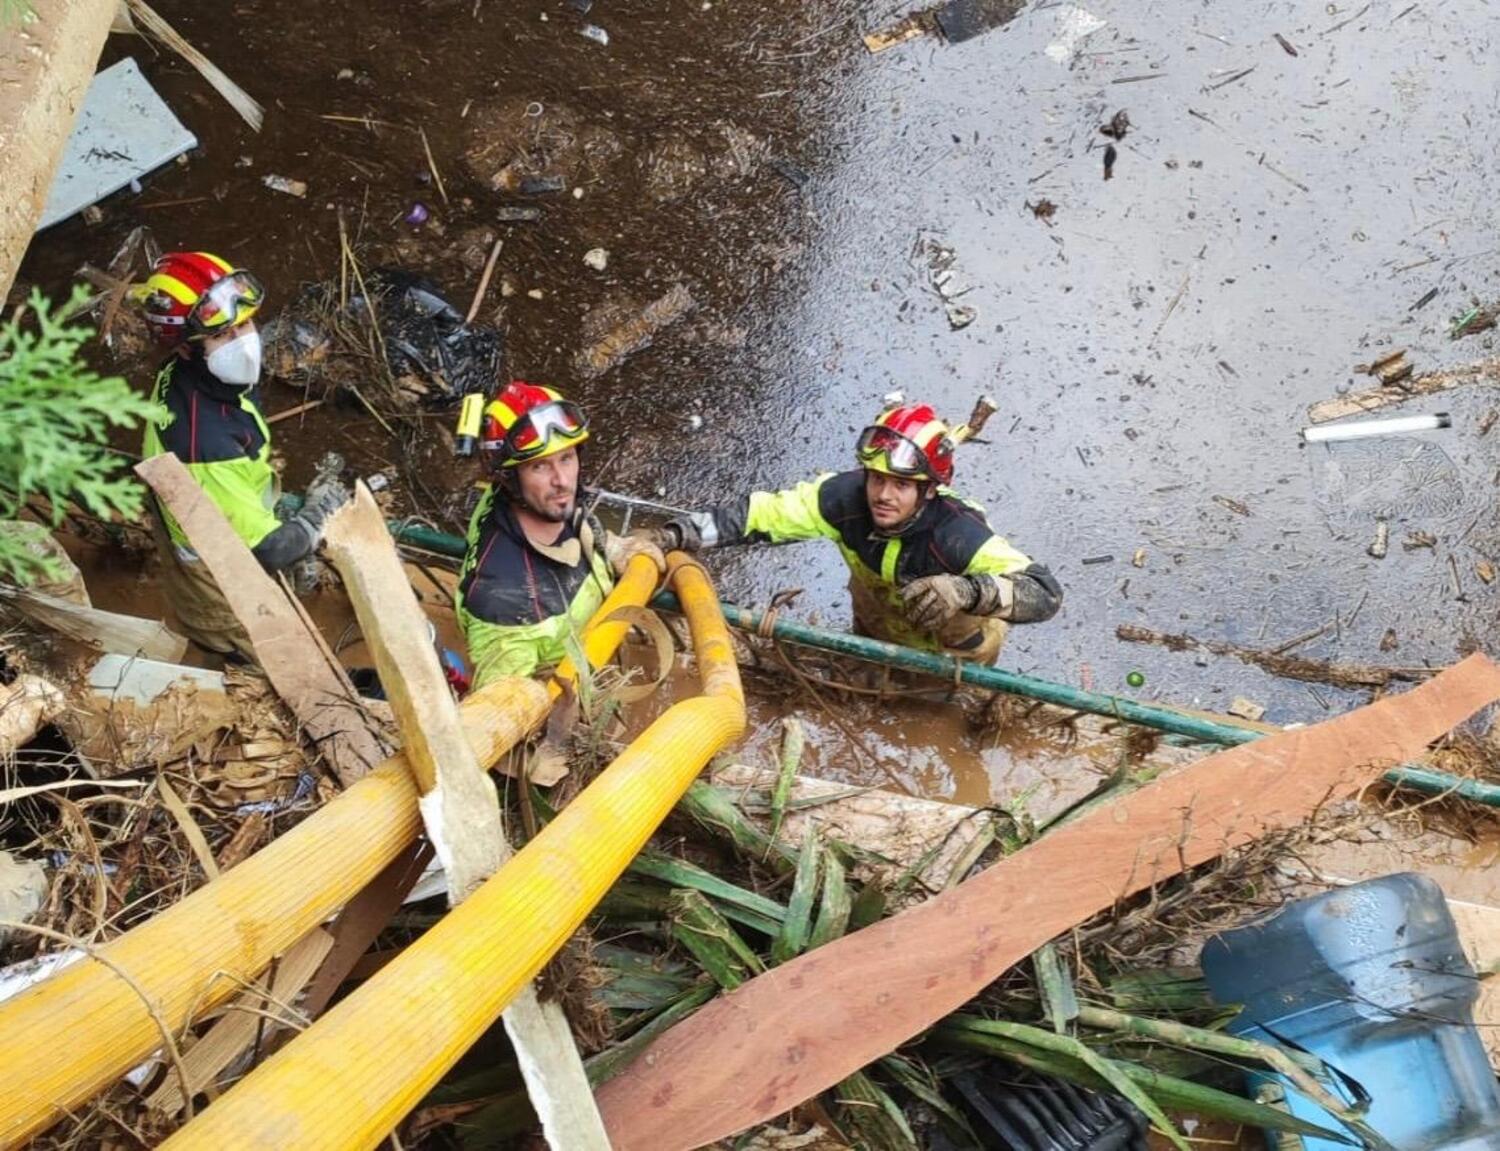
x=1372 y=980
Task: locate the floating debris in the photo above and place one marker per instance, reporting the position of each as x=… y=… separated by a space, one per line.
x=1118 y=126
x=285 y=184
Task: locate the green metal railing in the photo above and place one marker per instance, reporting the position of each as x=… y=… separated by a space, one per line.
x=1410 y=776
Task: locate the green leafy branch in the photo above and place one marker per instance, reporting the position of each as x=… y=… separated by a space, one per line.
x=56 y=414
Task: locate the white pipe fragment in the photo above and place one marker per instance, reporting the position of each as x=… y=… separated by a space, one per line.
x=1396 y=425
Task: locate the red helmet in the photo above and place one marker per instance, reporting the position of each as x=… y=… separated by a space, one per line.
x=529 y=422
x=190 y=295
x=910 y=442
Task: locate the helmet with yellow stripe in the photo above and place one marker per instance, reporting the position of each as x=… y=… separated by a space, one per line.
x=908 y=441
x=191 y=295
x=528 y=422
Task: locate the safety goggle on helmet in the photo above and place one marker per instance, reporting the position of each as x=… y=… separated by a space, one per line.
x=528 y=422
x=227 y=303
x=908 y=442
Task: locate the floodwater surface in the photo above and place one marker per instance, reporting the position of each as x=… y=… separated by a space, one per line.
x=1302 y=188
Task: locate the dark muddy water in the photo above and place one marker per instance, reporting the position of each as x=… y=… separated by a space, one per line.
x=1153 y=344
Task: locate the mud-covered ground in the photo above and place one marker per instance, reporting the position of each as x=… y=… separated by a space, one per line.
x=1154 y=342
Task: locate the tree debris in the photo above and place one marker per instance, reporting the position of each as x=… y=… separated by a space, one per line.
x=1348 y=675
x=1480 y=372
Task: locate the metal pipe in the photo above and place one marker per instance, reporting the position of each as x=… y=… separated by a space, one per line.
x=77 y=1032
x=351 y=1077
x=1413 y=777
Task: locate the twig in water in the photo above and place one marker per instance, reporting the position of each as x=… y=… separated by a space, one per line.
x=1351 y=20
x=295 y=411
x=1300 y=640
x=484 y=282
x=1240 y=75
x=437 y=177
x=1272 y=167
x=1171 y=307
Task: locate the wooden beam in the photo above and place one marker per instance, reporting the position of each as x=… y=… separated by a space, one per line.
x=362 y=920
x=106 y=630
x=46 y=67
x=331 y=714
x=236 y=1031
x=798 y=1029
x=459 y=806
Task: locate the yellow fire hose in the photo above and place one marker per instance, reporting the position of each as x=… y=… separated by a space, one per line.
x=76 y=1033
x=352 y=1076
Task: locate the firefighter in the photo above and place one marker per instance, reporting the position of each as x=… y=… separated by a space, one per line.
x=203 y=309
x=537 y=568
x=925 y=568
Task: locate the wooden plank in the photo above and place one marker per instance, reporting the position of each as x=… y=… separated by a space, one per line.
x=236 y=1031
x=106 y=630
x=46 y=67
x=1480 y=372
x=332 y=716
x=459 y=806
x=363 y=918
x=800 y=1028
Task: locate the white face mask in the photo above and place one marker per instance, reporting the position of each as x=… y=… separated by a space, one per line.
x=237 y=362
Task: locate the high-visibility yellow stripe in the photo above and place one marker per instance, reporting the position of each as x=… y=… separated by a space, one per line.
x=216 y=261
x=504 y=413
x=888 y=560
x=173 y=287
x=931 y=430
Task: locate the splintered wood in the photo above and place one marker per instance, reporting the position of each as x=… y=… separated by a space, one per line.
x=802 y=1027
x=459 y=806
x=319 y=696
x=1481 y=372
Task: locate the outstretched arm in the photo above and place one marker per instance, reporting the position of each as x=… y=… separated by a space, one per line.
x=760 y=517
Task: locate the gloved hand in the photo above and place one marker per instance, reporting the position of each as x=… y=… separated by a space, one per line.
x=932 y=601
x=682 y=534
x=620 y=550
x=324 y=497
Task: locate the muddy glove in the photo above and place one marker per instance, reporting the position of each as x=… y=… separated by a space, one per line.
x=994 y=596
x=620 y=550
x=932 y=601
x=324 y=497
x=692 y=532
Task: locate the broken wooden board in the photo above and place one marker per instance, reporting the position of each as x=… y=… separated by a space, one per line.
x=909 y=29
x=804 y=1026
x=332 y=716
x=244 y=1020
x=46 y=66
x=106 y=630
x=460 y=808
x=459 y=805
x=363 y=919
x=135 y=712
x=1481 y=372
